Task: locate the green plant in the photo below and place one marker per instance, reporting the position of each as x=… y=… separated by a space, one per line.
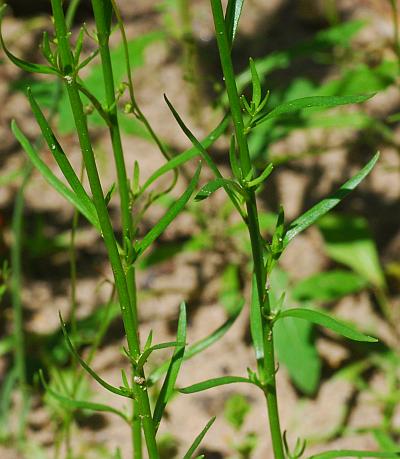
x=125 y=253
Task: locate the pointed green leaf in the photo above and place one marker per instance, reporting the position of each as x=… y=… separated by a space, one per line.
x=312 y=215
x=215 y=382
x=199 y=346
x=328 y=286
x=237 y=172
x=203 y=152
x=348 y=240
x=187 y=155
x=169 y=216
x=52 y=179
x=353 y=453
x=81 y=404
x=198 y=439
x=256 y=99
x=22 y=64
x=311 y=102
x=232 y=16
x=173 y=369
x=146 y=353
x=215 y=185
x=327 y=321
x=60 y=156
x=261 y=178
x=86 y=367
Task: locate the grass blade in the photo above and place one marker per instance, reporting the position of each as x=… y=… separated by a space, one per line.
x=296 y=105
x=312 y=215
x=169 y=216
x=197 y=347
x=353 y=453
x=198 y=439
x=327 y=321
x=173 y=369
x=215 y=382
x=33 y=154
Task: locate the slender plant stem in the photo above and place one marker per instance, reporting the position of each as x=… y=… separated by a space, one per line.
x=103 y=34
x=268 y=371
x=16 y=251
x=129 y=318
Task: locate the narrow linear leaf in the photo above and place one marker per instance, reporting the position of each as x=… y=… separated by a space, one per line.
x=327 y=321
x=22 y=64
x=169 y=216
x=86 y=367
x=173 y=369
x=353 y=453
x=80 y=404
x=216 y=184
x=215 y=382
x=146 y=354
x=203 y=152
x=256 y=84
x=187 y=155
x=232 y=16
x=312 y=102
x=256 y=326
x=60 y=156
x=198 y=439
x=198 y=347
x=52 y=179
x=312 y=215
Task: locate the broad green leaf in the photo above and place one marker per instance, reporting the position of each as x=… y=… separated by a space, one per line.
x=216 y=184
x=296 y=350
x=327 y=321
x=303 y=365
x=256 y=324
x=52 y=179
x=60 y=156
x=170 y=379
x=198 y=439
x=187 y=155
x=81 y=404
x=198 y=347
x=169 y=216
x=312 y=102
x=236 y=409
x=22 y=64
x=348 y=240
x=232 y=16
x=353 y=453
x=86 y=367
x=312 y=215
x=215 y=382
x=328 y=286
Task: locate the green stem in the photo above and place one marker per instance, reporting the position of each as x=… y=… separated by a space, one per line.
x=128 y=314
x=268 y=371
x=19 y=346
